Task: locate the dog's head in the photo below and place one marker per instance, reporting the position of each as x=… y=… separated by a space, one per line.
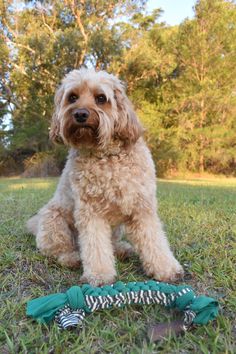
x=92 y=109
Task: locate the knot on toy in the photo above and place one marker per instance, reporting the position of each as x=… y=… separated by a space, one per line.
x=45 y=308
x=75 y=298
x=206 y=309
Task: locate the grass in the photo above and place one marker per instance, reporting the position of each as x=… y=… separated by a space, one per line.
x=200 y=219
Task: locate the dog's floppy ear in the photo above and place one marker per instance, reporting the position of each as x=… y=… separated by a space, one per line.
x=127 y=127
x=54 y=133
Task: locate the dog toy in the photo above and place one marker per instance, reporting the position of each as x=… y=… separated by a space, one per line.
x=69 y=309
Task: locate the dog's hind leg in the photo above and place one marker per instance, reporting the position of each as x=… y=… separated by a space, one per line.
x=54 y=228
x=32 y=224
x=56 y=236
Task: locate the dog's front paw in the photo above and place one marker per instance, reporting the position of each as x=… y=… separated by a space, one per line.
x=97 y=279
x=167 y=271
x=173 y=273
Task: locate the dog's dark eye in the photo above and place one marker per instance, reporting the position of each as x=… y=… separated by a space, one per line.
x=72 y=98
x=101 y=99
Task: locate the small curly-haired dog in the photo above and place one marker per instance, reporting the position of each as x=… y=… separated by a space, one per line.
x=109 y=180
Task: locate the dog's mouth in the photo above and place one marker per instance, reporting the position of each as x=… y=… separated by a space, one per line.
x=85 y=126
x=80 y=133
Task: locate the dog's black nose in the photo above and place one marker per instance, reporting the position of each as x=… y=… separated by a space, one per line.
x=81 y=115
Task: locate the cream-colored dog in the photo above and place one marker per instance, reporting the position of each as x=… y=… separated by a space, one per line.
x=109 y=179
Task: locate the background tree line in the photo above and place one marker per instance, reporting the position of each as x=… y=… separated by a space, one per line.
x=182 y=79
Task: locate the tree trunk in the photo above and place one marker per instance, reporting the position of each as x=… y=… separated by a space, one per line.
x=201 y=155
x=201 y=137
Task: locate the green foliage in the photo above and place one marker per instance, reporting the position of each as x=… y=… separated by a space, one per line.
x=186 y=76
x=205 y=97
x=181 y=79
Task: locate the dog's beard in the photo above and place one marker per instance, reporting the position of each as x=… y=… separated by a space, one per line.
x=97 y=131
x=80 y=135
x=105 y=129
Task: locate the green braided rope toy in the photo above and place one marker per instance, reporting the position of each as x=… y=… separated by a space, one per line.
x=69 y=309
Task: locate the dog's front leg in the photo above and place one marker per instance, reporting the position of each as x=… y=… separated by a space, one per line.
x=95 y=247
x=146 y=233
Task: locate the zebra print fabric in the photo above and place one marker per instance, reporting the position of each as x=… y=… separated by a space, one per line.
x=68 y=318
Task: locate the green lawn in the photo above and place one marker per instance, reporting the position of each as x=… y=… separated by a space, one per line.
x=200 y=219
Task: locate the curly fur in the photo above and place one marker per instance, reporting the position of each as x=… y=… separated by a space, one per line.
x=109 y=179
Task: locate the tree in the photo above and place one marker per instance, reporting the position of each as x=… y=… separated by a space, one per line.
x=148 y=64
x=45 y=40
x=204 y=100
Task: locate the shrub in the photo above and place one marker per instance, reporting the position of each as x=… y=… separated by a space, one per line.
x=41 y=164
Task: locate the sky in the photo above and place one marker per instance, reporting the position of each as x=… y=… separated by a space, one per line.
x=175 y=11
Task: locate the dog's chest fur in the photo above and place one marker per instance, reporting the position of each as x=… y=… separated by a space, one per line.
x=114 y=184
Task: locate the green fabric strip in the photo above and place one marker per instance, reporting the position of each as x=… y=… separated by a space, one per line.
x=206 y=309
